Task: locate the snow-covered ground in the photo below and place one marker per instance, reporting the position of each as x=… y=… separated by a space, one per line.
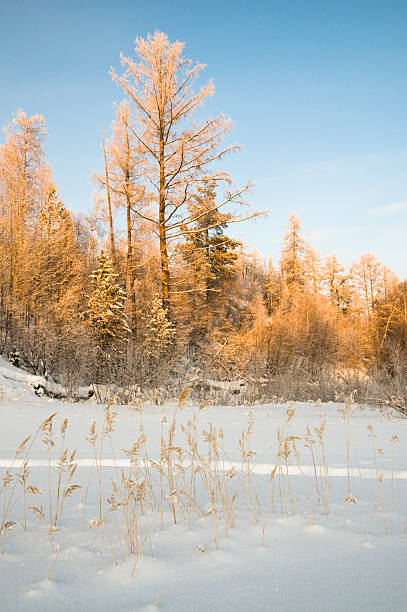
x=260 y=523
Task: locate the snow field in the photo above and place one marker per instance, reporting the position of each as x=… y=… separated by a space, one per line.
x=211 y=509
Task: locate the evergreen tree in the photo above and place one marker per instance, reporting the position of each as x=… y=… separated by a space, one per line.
x=106 y=311
x=160 y=332
x=210 y=258
x=207 y=238
x=58 y=279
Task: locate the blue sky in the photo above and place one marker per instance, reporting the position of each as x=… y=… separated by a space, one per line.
x=317 y=91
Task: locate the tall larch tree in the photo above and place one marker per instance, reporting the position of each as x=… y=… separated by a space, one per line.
x=22 y=176
x=292 y=255
x=177 y=152
x=367 y=276
x=312 y=269
x=58 y=277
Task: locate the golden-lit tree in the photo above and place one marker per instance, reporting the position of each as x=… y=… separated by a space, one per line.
x=122 y=181
x=293 y=253
x=176 y=151
x=336 y=283
x=23 y=175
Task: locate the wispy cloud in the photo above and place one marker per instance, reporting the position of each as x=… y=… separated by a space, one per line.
x=389 y=209
x=326 y=233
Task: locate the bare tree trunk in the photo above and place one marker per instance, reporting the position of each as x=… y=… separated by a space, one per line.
x=109 y=205
x=165 y=270
x=130 y=269
x=130 y=263
x=11 y=253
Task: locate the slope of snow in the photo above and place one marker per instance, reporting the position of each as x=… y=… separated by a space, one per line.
x=349 y=557
x=15 y=379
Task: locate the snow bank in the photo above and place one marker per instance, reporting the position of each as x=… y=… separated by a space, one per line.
x=40 y=384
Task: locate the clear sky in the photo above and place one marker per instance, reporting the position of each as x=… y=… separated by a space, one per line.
x=317 y=91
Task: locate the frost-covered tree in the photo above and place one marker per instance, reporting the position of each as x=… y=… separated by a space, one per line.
x=293 y=253
x=159 y=331
x=123 y=186
x=106 y=312
x=336 y=282
x=312 y=268
x=58 y=273
x=177 y=152
x=206 y=268
x=158 y=341
x=23 y=174
x=367 y=275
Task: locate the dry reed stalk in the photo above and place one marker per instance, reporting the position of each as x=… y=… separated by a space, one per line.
x=22 y=450
x=133 y=493
x=346 y=415
x=23 y=481
x=205 y=467
x=69 y=488
x=47 y=431
x=92 y=439
x=324 y=476
x=394 y=440
x=247 y=454
x=56 y=552
x=108 y=422
x=61 y=467
x=134 y=504
x=278 y=468
x=378 y=505
x=310 y=441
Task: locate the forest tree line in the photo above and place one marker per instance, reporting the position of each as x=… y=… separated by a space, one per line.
x=149 y=288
